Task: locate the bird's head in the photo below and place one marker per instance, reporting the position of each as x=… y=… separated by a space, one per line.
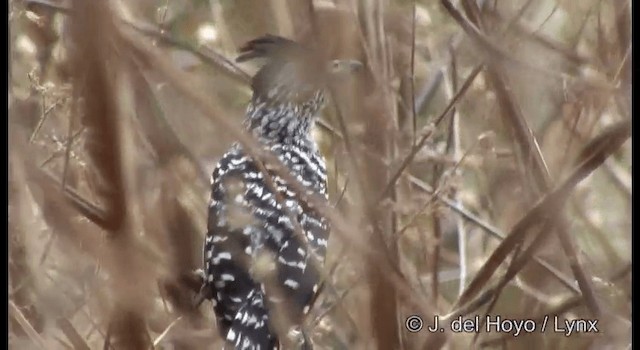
x=293 y=73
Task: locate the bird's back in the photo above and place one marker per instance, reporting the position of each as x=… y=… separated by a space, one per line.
x=260 y=232
x=250 y=233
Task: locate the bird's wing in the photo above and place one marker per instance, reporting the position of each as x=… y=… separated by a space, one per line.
x=228 y=235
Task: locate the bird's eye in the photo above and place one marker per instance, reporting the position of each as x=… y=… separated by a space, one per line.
x=335 y=64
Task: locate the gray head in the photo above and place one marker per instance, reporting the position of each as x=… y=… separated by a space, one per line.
x=292 y=72
x=288 y=91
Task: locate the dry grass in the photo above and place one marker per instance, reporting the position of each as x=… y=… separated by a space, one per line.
x=480 y=165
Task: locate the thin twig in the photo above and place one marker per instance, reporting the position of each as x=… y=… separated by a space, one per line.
x=562 y=307
x=531 y=159
x=43 y=117
x=414 y=150
x=72 y=334
x=24 y=323
x=207 y=55
x=468 y=215
x=497 y=54
x=342 y=193
x=550 y=206
x=453 y=146
x=67 y=152
x=414 y=118
x=164 y=334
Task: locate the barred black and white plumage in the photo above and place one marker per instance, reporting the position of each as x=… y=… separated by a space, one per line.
x=249 y=232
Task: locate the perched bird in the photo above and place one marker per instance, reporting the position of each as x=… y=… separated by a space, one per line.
x=256 y=268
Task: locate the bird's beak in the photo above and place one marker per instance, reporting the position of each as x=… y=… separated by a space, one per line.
x=352 y=65
x=343 y=67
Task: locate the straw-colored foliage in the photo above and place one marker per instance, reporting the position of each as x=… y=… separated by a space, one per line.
x=480 y=164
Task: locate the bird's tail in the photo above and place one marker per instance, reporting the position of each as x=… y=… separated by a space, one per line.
x=250 y=327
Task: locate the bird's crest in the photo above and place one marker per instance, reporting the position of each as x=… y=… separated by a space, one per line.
x=268 y=46
x=291 y=73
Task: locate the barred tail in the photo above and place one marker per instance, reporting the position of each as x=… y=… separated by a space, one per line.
x=250 y=327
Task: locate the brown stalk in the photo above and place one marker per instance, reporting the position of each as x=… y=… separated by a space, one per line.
x=519 y=27
x=97 y=74
x=383 y=302
x=20 y=276
x=89 y=210
x=207 y=55
x=530 y=157
x=99 y=114
x=623 y=21
x=414 y=115
x=163 y=139
x=414 y=150
x=492 y=231
x=58 y=214
x=562 y=307
x=520 y=259
x=71 y=333
x=432 y=84
x=26 y=325
x=550 y=206
x=496 y=54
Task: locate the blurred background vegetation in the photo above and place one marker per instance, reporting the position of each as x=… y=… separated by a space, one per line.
x=479 y=165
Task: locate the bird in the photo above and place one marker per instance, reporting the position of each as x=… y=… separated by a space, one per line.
x=256 y=269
